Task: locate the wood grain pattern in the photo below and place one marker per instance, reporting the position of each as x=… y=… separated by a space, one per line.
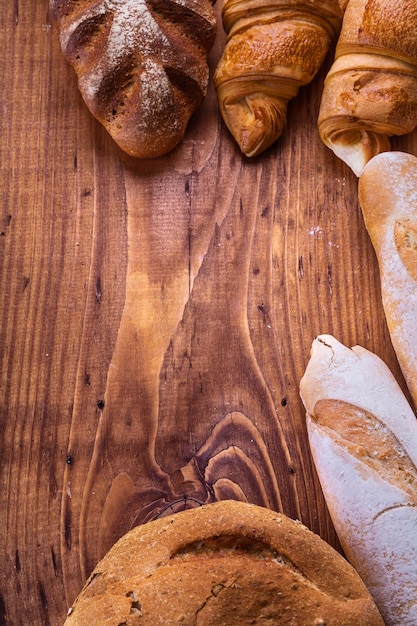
x=156 y=318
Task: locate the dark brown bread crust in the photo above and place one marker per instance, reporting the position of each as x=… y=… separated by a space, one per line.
x=141 y=65
x=224 y=564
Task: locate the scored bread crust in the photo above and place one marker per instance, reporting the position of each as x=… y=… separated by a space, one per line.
x=225 y=563
x=363 y=439
x=388 y=199
x=141 y=65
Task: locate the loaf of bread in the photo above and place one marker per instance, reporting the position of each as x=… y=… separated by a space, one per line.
x=224 y=564
x=370 y=92
x=388 y=198
x=363 y=437
x=141 y=66
x=274 y=47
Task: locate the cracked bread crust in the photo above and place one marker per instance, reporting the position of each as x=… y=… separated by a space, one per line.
x=224 y=563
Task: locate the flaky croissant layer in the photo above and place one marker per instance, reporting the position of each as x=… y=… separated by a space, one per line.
x=273 y=49
x=370 y=92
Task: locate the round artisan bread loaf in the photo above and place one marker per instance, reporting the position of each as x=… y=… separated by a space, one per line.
x=226 y=563
x=141 y=65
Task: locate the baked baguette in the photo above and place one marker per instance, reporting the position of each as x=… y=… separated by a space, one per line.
x=370 y=92
x=363 y=437
x=388 y=198
x=223 y=564
x=274 y=47
x=142 y=66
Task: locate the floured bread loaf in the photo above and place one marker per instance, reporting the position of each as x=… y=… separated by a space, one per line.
x=388 y=198
x=274 y=47
x=142 y=66
x=370 y=92
x=363 y=437
x=223 y=564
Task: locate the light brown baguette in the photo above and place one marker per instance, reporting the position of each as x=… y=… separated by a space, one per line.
x=274 y=47
x=388 y=199
x=363 y=438
x=370 y=92
x=142 y=66
x=223 y=564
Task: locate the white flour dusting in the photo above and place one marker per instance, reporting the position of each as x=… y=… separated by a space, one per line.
x=132 y=25
x=155 y=88
x=124 y=76
x=87 y=15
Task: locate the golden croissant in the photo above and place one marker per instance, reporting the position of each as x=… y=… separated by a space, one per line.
x=370 y=92
x=274 y=47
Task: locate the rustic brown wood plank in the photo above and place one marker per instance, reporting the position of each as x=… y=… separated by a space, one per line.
x=155 y=319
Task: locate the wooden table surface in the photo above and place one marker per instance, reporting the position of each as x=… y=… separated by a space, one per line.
x=156 y=318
